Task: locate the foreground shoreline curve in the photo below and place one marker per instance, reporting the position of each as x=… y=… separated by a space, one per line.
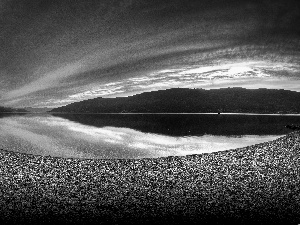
x=258 y=183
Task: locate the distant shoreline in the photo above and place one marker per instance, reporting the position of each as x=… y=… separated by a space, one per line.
x=254 y=114
x=215 y=113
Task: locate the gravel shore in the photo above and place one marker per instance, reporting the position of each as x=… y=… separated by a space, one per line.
x=259 y=184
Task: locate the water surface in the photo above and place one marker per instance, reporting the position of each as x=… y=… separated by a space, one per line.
x=135 y=136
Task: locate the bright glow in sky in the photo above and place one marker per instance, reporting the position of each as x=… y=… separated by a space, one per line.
x=57 y=52
x=251 y=74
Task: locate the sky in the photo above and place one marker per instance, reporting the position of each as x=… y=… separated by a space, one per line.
x=55 y=52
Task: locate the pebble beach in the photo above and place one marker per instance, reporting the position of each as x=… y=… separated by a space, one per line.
x=259 y=184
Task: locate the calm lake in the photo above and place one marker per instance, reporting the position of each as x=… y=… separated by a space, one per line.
x=136 y=135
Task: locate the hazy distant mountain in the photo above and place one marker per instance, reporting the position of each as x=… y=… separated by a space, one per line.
x=182 y=100
x=12 y=110
x=37 y=110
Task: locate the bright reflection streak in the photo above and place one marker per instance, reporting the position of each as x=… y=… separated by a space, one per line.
x=48 y=135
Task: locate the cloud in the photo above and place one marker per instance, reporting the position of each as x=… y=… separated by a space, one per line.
x=47 y=80
x=244 y=73
x=57 y=52
x=254 y=83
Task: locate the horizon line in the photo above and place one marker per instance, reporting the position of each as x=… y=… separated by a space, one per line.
x=213 y=113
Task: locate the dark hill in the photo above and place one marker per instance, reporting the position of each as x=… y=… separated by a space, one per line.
x=183 y=100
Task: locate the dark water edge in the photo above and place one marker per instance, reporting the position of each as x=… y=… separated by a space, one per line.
x=191 y=124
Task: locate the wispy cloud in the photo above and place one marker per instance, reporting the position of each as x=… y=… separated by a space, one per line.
x=46 y=80
x=58 y=52
x=246 y=73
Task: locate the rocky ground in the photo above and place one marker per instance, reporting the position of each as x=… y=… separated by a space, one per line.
x=259 y=184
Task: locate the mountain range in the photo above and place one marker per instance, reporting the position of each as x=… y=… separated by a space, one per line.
x=184 y=100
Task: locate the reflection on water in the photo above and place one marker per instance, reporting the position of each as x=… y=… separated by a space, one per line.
x=56 y=136
x=190 y=124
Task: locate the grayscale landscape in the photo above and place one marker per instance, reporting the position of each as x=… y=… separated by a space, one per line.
x=149 y=112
